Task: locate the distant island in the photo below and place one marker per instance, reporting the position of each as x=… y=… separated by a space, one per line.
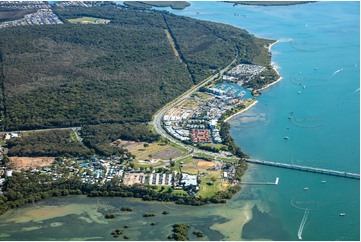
x=269 y=3
x=148 y=4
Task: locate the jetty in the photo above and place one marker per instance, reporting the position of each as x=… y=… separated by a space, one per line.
x=262 y=183
x=306 y=168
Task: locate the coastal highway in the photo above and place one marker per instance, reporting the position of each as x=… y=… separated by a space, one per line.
x=158 y=117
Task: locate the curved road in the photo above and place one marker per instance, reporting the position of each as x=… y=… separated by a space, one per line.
x=158 y=117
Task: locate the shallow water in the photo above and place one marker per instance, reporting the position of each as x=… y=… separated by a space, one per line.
x=324 y=132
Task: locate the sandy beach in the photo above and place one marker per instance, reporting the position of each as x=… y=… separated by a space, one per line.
x=274 y=68
x=241 y=111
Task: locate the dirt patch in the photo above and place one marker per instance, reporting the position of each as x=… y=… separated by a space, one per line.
x=205 y=163
x=33 y=162
x=167 y=153
x=124 y=143
x=155 y=150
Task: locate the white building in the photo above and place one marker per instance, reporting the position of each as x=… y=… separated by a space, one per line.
x=188 y=180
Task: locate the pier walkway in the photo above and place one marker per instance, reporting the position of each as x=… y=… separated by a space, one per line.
x=262 y=183
x=306 y=168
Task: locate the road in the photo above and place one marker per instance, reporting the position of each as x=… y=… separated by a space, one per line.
x=75 y=129
x=158 y=117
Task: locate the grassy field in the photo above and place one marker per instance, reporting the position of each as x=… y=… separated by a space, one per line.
x=219 y=184
x=88 y=20
x=197 y=166
x=157 y=150
x=203 y=95
x=138 y=164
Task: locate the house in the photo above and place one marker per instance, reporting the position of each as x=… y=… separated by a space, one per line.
x=14 y=135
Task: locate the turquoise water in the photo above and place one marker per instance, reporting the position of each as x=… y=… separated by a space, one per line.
x=318 y=58
x=235 y=89
x=317 y=40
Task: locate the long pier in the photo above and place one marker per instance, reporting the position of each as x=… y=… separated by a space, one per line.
x=306 y=168
x=262 y=183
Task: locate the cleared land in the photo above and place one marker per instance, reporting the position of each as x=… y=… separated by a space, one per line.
x=146 y=151
x=171 y=41
x=88 y=20
x=203 y=95
x=30 y=162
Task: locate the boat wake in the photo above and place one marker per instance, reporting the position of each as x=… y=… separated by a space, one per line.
x=357 y=90
x=337 y=72
x=302 y=225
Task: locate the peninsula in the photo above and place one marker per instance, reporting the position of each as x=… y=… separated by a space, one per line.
x=90 y=104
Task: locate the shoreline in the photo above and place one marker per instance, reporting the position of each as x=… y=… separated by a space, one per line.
x=241 y=111
x=274 y=68
x=263 y=88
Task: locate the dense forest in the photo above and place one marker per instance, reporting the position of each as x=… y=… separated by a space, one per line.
x=71 y=75
x=48 y=143
x=110 y=79
x=98 y=137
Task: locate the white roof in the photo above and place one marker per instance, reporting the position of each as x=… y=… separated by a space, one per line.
x=188 y=179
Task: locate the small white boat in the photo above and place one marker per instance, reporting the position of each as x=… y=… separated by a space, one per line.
x=286 y=137
x=323 y=181
x=342 y=214
x=303 y=86
x=299 y=92
x=305 y=189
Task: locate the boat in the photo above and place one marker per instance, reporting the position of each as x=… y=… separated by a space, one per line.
x=305 y=189
x=303 y=86
x=323 y=181
x=316 y=68
x=342 y=214
x=299 y=92
x=289 y=117
x=286 y=137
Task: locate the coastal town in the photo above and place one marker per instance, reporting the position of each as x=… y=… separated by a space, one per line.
x=100 y=170
x=198 y=163
x=40 y=17
x=196 y=119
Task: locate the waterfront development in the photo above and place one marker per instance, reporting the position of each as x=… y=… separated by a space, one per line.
x=320 y=132
x=196 y=118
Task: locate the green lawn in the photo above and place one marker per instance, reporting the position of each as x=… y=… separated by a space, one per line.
x=84 y=20
x=209 y=190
